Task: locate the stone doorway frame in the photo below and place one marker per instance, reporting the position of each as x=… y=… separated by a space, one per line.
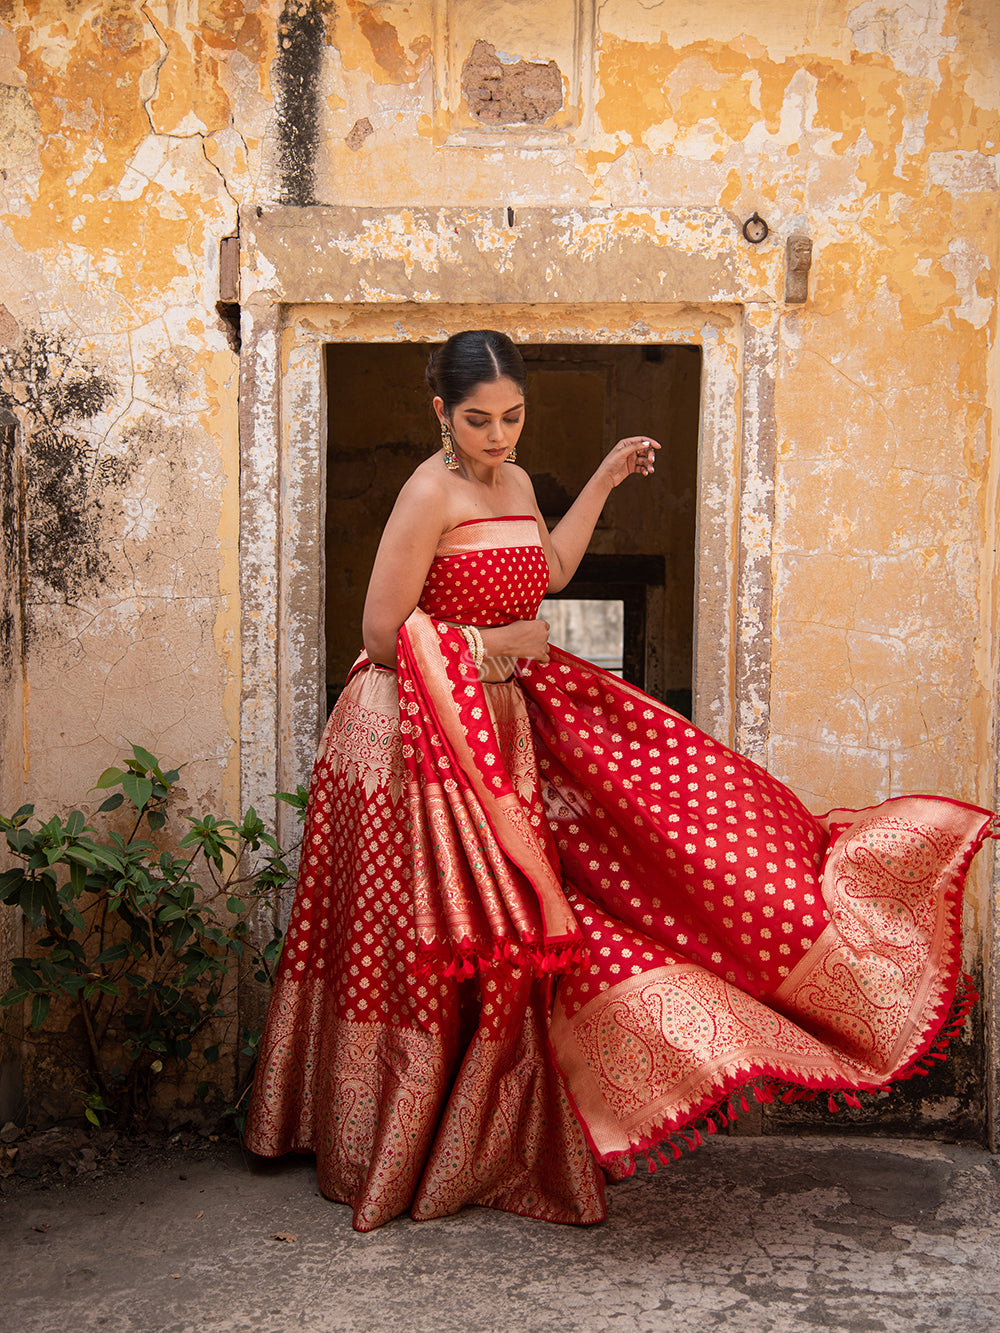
x=318 y=275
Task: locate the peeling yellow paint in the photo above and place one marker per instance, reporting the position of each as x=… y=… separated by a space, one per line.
x=369 y=42
x=185 y=102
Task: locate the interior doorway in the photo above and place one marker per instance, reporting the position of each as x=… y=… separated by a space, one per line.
x=639 y=571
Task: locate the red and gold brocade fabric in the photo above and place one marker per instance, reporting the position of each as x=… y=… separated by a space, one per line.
x=734 y=939
x=472 y=848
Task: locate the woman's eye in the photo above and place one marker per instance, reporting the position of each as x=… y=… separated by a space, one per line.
x=481 y=425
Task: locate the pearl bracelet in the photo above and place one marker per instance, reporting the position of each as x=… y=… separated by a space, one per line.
x=474 y=639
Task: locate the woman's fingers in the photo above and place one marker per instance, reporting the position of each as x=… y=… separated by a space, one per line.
x=645 y=456
x=642 y=453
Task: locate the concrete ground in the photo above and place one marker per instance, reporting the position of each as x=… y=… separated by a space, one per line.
x=755 y=1235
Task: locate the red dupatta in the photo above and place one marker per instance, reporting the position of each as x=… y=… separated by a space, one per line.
x=486 y=873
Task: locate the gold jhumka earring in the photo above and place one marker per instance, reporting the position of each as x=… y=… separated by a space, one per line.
x=512 y=456
x=447 y=439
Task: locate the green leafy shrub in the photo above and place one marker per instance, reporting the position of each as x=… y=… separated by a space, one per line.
x=142 y=937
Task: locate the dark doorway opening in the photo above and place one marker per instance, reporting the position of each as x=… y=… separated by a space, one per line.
x=581 y=398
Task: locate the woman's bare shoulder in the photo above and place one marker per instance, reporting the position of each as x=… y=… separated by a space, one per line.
x=425 y=482
x=423 y=499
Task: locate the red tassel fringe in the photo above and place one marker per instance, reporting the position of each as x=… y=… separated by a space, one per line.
x=465 y=960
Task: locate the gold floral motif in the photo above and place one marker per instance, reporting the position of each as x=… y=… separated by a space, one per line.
x=362 y=740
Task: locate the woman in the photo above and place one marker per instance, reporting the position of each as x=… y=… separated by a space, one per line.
x=543 y=924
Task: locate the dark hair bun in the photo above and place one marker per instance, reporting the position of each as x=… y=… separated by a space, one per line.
x=477 y=356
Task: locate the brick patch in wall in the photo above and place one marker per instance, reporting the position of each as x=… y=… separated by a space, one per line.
x=525 y=93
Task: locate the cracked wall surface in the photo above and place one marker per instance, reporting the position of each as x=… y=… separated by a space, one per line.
x=134 y=137
x=122 y=385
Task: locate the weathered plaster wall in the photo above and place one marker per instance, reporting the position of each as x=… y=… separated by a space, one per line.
x=134 y=136
x=122 y=383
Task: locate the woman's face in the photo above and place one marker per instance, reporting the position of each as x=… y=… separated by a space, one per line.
x=486 y=425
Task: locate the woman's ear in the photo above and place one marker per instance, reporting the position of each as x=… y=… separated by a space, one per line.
x=438 y=404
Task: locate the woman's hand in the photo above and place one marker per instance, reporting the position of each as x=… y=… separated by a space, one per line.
x=526 y=640
x=637 y=453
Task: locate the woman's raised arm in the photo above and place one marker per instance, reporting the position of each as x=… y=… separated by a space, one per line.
x=570 y=537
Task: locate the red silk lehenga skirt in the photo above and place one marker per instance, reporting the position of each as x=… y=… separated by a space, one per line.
x=546 y=926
